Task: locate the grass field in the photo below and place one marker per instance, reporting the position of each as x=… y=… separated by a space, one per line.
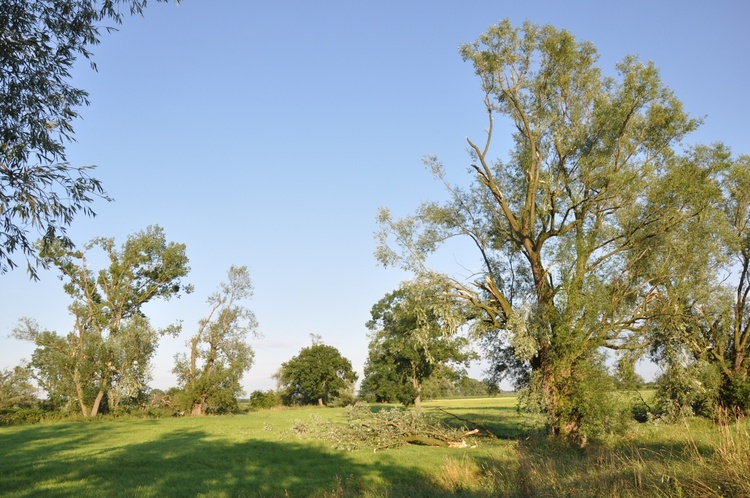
x=258 y=454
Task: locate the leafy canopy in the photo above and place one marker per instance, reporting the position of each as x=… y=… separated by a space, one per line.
x=109 y=350
x=316 y=375
x=414 y=332
x=561 y=224
x=39 y=191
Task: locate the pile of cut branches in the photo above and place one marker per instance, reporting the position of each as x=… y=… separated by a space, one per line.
x=388 y=428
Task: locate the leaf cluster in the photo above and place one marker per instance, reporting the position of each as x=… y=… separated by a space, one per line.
x=16 y=389
x=40 y=41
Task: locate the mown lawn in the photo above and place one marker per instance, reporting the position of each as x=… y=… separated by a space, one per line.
x=258 y=454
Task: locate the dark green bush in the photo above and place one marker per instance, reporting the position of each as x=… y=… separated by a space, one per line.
x=32 y=415
x=263 y=400
x=735 y=394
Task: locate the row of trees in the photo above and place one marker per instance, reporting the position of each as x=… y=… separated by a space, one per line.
x=105 y=360
x=599 y=231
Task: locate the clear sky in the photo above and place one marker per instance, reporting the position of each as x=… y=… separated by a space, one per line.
x=267 y=134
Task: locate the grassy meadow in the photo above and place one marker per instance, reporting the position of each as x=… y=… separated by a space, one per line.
x=259 y=454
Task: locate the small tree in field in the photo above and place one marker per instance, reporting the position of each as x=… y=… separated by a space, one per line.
x=414 y=333
x=316 y=375
x=219 y=354
x=16 y=389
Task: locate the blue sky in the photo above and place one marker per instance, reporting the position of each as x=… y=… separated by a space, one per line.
x=267 y=134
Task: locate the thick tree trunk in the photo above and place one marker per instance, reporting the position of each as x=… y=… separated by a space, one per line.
x=320 y=402
x=197 y=409
x=418 y=398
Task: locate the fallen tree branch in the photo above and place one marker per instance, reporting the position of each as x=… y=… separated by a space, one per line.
x=383 y=429
x=477 y=425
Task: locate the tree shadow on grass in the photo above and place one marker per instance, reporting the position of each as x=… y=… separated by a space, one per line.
x=504 y=423
x=62 y=461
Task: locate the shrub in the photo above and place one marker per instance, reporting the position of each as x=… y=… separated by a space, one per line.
x=32 y=415
x=260 y=400
x=735 y=394
x=687 y=390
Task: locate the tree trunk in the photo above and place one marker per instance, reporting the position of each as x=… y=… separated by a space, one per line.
x=418 y=388
x=197 y=409
x=97 y=402
x=320 y=402
x=79 y=393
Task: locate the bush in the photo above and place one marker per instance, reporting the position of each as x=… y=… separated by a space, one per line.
x=33 y=415
x=345 y=399
x=735 y=394
x=687 y=390
x=260 y=400
x=640 y=412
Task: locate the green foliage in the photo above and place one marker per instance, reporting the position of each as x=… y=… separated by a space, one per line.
x=379 y=430
x=467 y=387
x=447 y=382
x=381 y=382
x=260 y=400
x=705 y=304
x=17 y=391
x=564 y=225
x=105 y=359
x=39 y=190
x=735 y=394
x=317 y=374
x=687 y=388
x=219 y=354
x=415 y=333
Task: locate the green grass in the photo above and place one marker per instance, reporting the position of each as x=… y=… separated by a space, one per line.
x=257 y=454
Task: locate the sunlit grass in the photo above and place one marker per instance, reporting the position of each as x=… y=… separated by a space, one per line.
x=257 y=454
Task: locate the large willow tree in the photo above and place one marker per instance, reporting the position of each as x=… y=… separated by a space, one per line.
x=560 y=224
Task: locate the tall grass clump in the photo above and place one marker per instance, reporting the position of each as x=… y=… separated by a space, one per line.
x=726 y=471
